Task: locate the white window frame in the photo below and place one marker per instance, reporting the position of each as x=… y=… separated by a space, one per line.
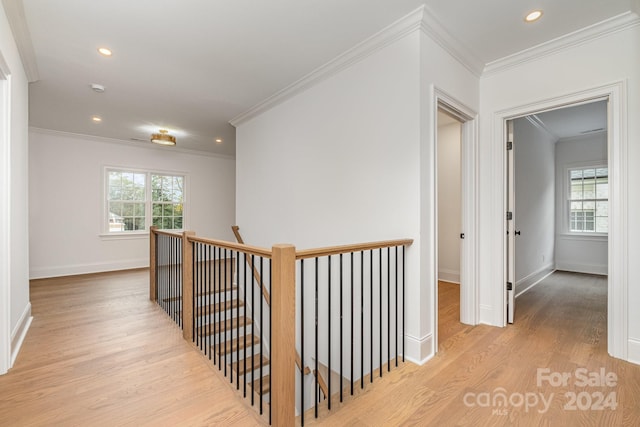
x=566 y=214
x=106 y=233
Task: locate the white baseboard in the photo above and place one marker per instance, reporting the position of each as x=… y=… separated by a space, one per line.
x=98 y=267
x=528 y=282
x=450 y=276
x=20 y=332
x=582 y=268
x=633 y=351
x=419 y=350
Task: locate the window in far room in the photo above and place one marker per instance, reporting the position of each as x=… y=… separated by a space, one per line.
x=137 y=199
x=589 y=200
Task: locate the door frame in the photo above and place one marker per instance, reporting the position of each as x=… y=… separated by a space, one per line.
x=617 y=148
x=5 y=215
x=469 y=313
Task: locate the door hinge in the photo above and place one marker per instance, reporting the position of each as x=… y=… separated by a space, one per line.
x=509 y=145
x=509 y=286
x=509 y=216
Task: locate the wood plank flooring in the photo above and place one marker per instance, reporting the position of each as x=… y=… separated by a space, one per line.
x=99 y=353
x=560 y=326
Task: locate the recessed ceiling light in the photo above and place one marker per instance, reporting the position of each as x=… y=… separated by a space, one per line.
x=532 y=16
x=218 y=140
x=105 y=51
x=96 y=119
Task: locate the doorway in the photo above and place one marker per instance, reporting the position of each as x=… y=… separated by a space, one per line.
x=559 y=188
x=617 y=286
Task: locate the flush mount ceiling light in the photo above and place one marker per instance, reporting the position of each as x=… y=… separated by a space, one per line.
x=218 y=140
x=163 y=138
x=533 y=16
x=96 y=119
x=105 y=51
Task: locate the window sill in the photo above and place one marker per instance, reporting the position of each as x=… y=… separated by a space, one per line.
x=137 y=235
x=596 y=237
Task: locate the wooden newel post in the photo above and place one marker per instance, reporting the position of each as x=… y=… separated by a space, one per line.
x=153 y=262
x=187 y=286
x=283 y=338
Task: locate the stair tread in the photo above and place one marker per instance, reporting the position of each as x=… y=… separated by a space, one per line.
x=206 y=330
x=252 y=364
x=214 y=308
x=201 y=294
x=266 y=387
x=236 y=343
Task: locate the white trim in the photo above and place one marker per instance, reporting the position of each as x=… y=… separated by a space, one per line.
x=567 y=41
x=617 y=312
x=420 y=19
x=449 y=276
x=129 y=143
x=96 y=267
x=634 y=351
x=14 y=9
x=577 y=267
x=577 y=237
x=5 y=216
x=20 y=332
x=469 y=313
x=419 y=350
x=533 y=279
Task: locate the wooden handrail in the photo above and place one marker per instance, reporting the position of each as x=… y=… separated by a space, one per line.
x=155 y=230
x=265 y=292
x=335 y=250
x=251 y=250
x=321 y=383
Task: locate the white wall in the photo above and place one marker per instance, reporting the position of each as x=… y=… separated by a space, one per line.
x=592 y=64
x=14 y=279
x=66 y=194
x=534 y=216
x=351 y=159
x=449 y=201
x=584 y=254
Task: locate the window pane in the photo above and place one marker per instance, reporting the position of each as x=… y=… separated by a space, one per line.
x=588 y=173
x=576 y=206
x=576 y=190
x=589 y=206
x=139 y=209
x=602 y=208
x=602 y=225
x=602 y=188
x=589 y=189
x=602 y=172
x=575 y=174
x=167 y=223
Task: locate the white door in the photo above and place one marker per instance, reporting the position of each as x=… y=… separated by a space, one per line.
x=510 y=219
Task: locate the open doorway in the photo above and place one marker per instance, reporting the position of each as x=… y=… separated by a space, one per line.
x=558 y=181
x=449 y=146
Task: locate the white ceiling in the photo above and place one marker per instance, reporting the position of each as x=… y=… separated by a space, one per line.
x=575 y=121
x=192 y=65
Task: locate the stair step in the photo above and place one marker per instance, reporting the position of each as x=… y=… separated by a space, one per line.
x=206 y=330
x=250 y=367
x=237 y=343
x=201 y=294
x=221 y=306
x=265 y=385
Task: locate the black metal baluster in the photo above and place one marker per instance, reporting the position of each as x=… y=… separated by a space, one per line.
x=388 y=310
x=207 y=300
x=224 y=326
x=261 y=329
x=211 y=300
x=329 y=334
x=352 y=310
x=380 y=306
x=244 y=359
x=270 y=330
x=222 y=344
x=341 y=328
x=395 y=269
x=302 y=342
x=253 y=316
x=361 y=319
x=244 y=325
x=370 y=313
x=317 y=373
x=403 y=297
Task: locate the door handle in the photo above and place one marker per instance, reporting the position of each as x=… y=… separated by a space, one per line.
x=462 y=235
x=517 y=233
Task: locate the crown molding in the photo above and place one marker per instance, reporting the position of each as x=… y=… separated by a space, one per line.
x=384 y=37
x=438 y=33
x=128 y=143
x=420 y=19
x=18 y=23
x=592 y=32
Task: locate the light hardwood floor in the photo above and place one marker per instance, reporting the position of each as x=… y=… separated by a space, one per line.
x=99 y=353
